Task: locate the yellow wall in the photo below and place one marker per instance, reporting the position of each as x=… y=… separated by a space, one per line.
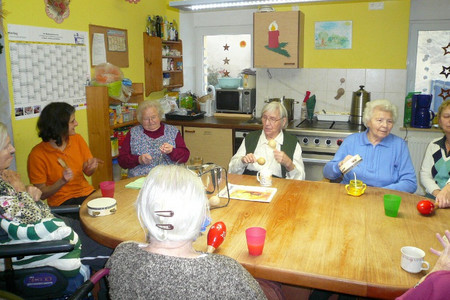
x=111 y=13
x=380 y=37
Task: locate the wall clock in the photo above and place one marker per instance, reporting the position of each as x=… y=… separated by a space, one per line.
x=57 y=10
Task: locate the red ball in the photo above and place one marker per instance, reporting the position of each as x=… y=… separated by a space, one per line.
x=425 y=207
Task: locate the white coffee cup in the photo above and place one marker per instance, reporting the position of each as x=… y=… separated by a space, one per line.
x=264 y=177
x=413 y=260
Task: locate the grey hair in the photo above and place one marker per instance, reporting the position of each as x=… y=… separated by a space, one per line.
x=177 y=189
x=382 y=104
x=3 y=135
x=274 y=106
x=144 y=105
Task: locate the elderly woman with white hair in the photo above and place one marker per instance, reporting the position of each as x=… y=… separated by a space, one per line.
x=171 y=207
x=152 y=142
x=271 y=147
x=385 y=157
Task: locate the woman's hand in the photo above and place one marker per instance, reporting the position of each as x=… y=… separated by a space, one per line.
x=442 y=197
x=248 y=159
x=166 y=148
x=344 y=160
x=145 y=159
x=91 y=165
x=67 y=175
x=34 y=192
x=443 y=263
x=283 y=159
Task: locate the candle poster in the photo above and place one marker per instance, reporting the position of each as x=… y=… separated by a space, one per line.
x=277 y=39
x=333 y=35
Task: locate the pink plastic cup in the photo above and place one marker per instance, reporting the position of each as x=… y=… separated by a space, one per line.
x=107 y=188
x=255 y=240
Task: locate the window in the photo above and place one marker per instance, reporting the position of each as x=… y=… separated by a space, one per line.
x=225 y=56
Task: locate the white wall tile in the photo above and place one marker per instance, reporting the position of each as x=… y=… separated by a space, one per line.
x=375 y=79
x=395 y=81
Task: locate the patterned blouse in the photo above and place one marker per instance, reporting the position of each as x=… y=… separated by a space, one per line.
x=20 y=206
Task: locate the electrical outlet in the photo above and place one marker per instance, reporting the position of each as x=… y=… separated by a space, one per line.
x=376 y=5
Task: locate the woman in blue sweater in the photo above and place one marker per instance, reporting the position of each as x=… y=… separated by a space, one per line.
x=385 y=157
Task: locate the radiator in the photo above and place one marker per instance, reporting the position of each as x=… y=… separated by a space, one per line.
x=417 y=147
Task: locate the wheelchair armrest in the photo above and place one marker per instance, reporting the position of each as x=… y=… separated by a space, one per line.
x=20 y=250
x=64 y=209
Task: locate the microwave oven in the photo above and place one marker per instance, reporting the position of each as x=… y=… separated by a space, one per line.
x=238 y=100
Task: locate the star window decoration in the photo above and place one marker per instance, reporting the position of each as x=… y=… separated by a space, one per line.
x=446 y=49
x=444 y=94
x=226 y=73
x=226 y=61
x=226 y=47
x=445 y=71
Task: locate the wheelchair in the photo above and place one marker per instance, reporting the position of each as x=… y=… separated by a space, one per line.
x=43 y=282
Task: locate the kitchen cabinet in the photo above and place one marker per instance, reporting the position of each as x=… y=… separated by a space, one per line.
x=278 y=39
x=156 y=70
x=99 y=128
x=212 y=144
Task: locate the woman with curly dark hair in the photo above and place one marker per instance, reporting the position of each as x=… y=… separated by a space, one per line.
x=58 y=164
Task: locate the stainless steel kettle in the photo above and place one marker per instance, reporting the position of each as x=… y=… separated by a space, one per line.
x=359 y=100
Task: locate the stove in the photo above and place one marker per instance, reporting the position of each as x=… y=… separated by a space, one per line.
x=319 y=141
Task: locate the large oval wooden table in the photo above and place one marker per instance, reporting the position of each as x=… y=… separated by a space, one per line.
x=317 y=235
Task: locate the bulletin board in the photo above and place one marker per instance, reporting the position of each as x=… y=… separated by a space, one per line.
x=116 y=44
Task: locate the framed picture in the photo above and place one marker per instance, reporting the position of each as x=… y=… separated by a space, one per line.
x=333 y=35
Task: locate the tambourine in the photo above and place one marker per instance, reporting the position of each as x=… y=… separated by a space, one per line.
x=102 y=206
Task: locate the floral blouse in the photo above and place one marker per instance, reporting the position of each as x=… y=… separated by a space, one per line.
x=20 y=206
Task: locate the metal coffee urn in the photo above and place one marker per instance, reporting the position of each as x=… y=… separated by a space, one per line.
x=359 y=100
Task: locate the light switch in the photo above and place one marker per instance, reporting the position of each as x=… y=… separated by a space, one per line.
x=376 y=5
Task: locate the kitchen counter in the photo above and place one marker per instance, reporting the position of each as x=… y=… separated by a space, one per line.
x=218 y=122
x=236 y=123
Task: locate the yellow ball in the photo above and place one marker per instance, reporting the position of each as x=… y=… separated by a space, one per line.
x=261 y=161
x=272 y=144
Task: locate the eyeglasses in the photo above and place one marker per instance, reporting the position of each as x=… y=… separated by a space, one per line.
x=150 y=119
x=271 y=120
x=165 y=214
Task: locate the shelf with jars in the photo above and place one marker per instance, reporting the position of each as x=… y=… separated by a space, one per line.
x=163 y=63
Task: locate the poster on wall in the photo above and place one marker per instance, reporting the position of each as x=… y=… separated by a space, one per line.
x=47 y=65
x=333 y=35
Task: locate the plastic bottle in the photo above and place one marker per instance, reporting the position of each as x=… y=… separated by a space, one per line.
x=117 y=171
x=408 y=109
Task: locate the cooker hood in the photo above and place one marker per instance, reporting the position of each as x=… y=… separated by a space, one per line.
x=193 y=5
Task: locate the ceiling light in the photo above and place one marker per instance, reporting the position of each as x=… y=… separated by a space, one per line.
x=192 y=5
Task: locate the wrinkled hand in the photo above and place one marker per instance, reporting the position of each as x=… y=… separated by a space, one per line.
x=91 y=165
x=443 y=263
x=145 y=159
x=13 y=178
x=248 y=159
x=166 y=148
x=283 y=159
x=443 y=197
x=34 y=192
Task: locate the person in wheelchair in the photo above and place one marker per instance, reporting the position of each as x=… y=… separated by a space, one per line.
x=25 y=218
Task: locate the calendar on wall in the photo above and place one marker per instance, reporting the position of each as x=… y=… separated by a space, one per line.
x=47 y=65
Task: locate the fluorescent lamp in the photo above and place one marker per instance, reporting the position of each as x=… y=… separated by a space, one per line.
x=192 y=5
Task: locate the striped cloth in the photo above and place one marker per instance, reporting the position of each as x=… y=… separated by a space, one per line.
x=48 y=229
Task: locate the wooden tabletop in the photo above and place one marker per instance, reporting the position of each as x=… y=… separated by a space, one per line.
x=317 y=235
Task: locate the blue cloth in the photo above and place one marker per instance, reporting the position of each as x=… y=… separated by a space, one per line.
x=387 y=165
